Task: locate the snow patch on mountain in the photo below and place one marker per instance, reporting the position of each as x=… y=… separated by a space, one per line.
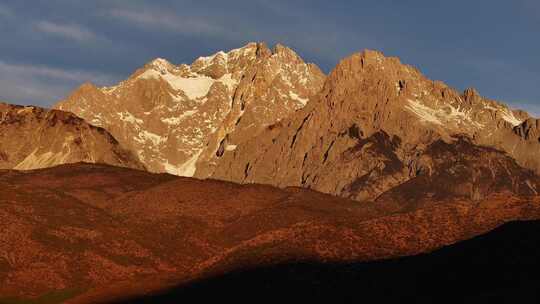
x=26 y=109
x=295 y=96
x=424 y=113
x=194 y=87
x=186 y=169
x=510 y=117
x=177 y=120
x=207 y=60
x=97 y=120
x=128 y=117
x=224 y=58
x=230 y=147
x=109 y=90
x=145 y=136
x=229 y=81
x=443 y=115
x=47 y=159
x=505 y=114
x=162 y=65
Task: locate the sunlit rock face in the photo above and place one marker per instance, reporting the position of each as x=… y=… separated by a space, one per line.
x=33 y=137
x=178 y=119
x=371 y=128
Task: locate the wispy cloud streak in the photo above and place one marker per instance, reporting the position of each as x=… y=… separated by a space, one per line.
x=163 y=20
x=68 y=31
x=41 y=84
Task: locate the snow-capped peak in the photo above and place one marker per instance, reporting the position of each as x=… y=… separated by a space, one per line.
x=172 y=114
x=161 y=65
x=209 y=59
x=223 y=58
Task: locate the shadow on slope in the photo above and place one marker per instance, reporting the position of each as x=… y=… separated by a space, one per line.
x=501 y=265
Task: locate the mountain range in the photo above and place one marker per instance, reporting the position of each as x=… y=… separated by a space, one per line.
x=251 y=158
x=260 y=115
x=177 y=117
x=256 y=114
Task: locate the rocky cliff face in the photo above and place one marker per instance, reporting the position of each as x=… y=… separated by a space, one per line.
x=370 y=127
x=179 y=118
x=32 y=137
x=459 y=170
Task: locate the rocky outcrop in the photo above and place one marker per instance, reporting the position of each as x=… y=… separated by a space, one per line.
x=371 y=123
x=33 y=137
x=459 y=170
x=529 y=130
x=179 y=118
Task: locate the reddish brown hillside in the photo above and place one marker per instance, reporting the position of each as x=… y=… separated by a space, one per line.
x=93 y=232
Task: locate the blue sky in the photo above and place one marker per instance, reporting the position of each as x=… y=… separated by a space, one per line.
x=49 y=47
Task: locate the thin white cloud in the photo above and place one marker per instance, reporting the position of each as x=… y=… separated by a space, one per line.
x=163 y=20
x=237 y=29
x=67 y=31
x=53 y=73
x=42 y=85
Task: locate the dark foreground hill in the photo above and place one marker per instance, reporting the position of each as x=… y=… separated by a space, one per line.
x=501 y=266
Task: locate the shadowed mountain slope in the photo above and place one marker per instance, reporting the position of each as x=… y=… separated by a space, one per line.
x=501 y=266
